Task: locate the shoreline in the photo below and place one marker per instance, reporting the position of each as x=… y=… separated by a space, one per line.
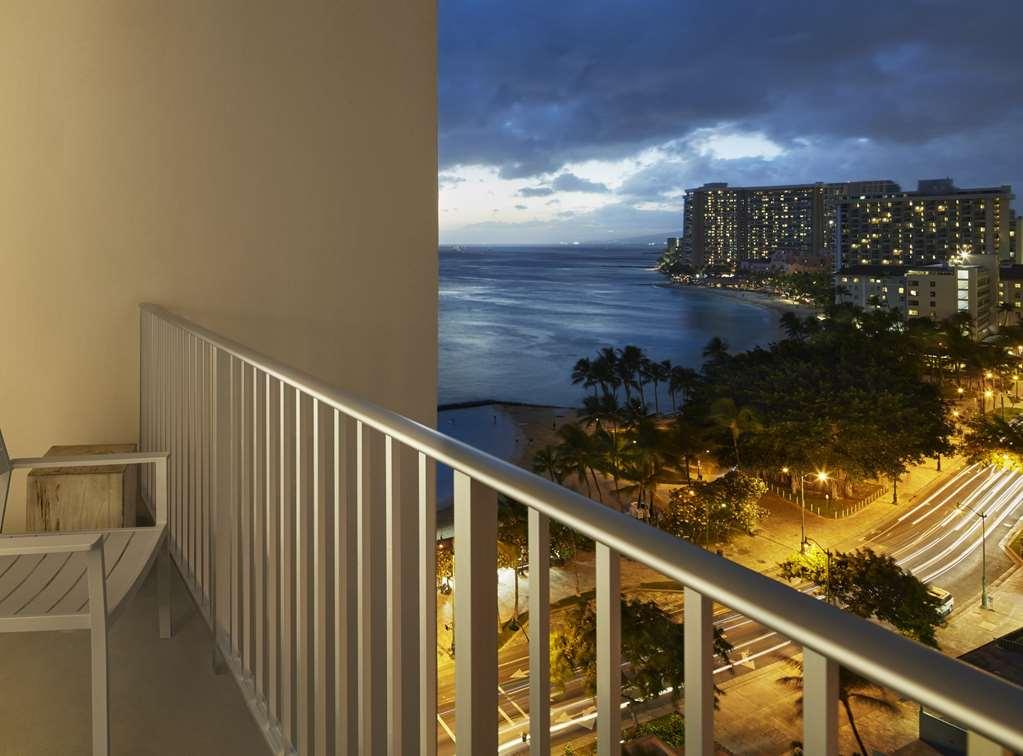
x=754 y=297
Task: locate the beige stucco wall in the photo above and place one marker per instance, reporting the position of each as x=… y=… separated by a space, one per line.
x=265 y=168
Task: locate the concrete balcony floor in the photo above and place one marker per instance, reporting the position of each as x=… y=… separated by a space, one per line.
x=164 y=696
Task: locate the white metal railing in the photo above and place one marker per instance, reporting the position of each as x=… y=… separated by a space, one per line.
x=303 y=521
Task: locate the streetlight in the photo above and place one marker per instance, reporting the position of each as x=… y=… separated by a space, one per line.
x=827 y=573
x=984 y=604
x=821 y=476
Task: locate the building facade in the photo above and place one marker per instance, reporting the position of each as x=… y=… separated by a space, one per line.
x=937 y=291
x=726 y=226
x=937 y=223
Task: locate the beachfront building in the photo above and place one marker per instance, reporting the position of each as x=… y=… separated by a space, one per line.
x=1010 y=290
x=939 y=291
x=727 y=225
x=936 y=223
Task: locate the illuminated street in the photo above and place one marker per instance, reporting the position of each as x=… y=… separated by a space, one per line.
x=936 y=538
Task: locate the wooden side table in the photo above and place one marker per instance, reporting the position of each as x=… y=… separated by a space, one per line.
x=82 y=498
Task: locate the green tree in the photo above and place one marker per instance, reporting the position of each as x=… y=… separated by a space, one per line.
x=874 y=586
x=547 y=461
x=714 y=511
x=992 y=440
x=652 y=646
x=716 y=350
x=738 y=421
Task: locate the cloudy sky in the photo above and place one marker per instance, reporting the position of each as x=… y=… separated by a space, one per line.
x=579 y=120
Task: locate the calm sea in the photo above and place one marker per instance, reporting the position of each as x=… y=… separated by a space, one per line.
x=513 y=320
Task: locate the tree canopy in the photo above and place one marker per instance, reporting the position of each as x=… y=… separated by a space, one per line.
x=713 y=511
x=873 y=586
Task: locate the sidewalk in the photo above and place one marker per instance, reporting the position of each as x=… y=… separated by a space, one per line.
x=778 y=536
x=970 y=626
x=758 y=714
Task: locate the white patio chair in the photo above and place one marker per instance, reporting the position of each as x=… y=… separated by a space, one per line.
x=83 y=580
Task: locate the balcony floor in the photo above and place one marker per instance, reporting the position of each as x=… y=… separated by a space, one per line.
x=164 y=697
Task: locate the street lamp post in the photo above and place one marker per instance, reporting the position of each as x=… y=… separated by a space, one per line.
x=821 y=476
x=827 y=569
x=984 y=603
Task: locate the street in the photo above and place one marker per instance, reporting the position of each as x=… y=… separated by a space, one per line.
x=937 y=538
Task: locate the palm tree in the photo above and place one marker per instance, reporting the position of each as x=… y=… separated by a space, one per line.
x=645 y=457
x=579 y=459
x=605 y=371
x=583 y=373
x=716 y=349
x=630 y=368
x=685 y=441
x=682 y=380
x=600 y=411
x=736 y=420
x=659 y=372
x=611 y=449
x=851 y=688
x=792 y=324
x=547 y=461
x=633 y=412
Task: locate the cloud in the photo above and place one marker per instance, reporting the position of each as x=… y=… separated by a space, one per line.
x=738 y=90
x=569 y=182
x=521 y=207
x=449 y=179
x=535 y=191
x=609 y=223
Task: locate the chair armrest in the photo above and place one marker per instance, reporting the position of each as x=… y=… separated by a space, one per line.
x=91 y=460
x=56 y=543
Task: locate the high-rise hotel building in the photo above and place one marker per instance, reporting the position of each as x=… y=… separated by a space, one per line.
x=726 y=225
x=936 y=223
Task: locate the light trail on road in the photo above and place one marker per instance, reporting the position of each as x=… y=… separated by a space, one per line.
x=933 y=538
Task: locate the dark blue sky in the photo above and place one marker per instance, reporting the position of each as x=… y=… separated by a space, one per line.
x=585 y=119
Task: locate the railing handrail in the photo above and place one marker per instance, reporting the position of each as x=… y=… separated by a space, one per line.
x=976 y=699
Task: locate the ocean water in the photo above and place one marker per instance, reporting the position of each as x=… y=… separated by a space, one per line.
x=513 y=320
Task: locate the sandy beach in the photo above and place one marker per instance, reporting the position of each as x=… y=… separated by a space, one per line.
x=760 y=298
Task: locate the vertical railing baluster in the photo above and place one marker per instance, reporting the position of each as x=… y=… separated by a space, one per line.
x=372 y=598
x=346 y=628
x=427 y=606
x=179 y=440
x=207 y=455
x=259 y=525
x=245 y=427
x=197 y=526
x=232 y=517
x=302 y=576
x=820 y=704
x=609 y=651
x=273 y=540
x=287 y=551
x=978 y=745
x=189 y=460
x=402 y=649
x=216 y=497
x=698 y=658
x=174 y=416
x=539 y=633
x=321 y=596
x=475 y=617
